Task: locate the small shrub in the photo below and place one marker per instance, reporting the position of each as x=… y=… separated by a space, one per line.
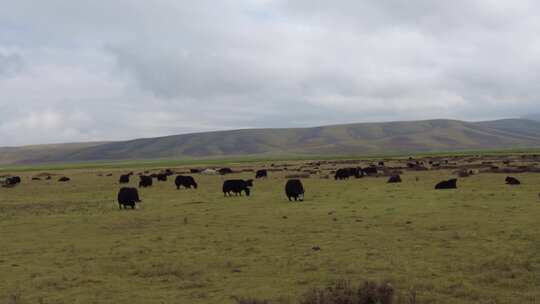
x=250 y=301
x=343 y=292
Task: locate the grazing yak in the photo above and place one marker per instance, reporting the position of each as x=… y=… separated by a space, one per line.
x=370 y=170
x=161 y=177
x=195 y=170
x=294 y=189
x=261 y=173
x=145 y=181
x=449 y=184
x=185 y=181
x=394 y=179
x=124 y=178
x=512 y=181
x=128 y=197
x=345 y=173
x=64 y=179
x=224 y=171
x=11 y=181
x=236 y=186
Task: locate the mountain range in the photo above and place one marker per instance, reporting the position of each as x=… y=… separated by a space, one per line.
x=347 y=139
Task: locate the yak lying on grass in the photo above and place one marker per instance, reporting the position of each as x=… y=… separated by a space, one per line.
x=512 y=181
x=236 y=186
x=64 y=179
x=294 y=189
x=394 y=179
x=185 y=181
x=261 y=173
x=224 y=171
x=449 y=184
x=128 y=197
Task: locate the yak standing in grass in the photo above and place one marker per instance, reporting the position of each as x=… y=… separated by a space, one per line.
x=261 y=173
x=161 y=177
x=185 y=181
x=294 y=189
x=370 y=170
x=128 y=197
x=11 y=181
x=449 y=184
x=512 y=181
x=145 y=181
x=124 y=178
x=345 y=173
x=394 y=179
x=236 y=186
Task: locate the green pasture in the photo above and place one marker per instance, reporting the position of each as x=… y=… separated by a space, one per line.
x=69 y=242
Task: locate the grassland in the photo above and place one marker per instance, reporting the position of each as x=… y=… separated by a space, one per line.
x=69 y=243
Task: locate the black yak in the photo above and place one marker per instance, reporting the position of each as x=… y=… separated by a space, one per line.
x=345 y=173
x=128 y=197
x=449 y=184
x=370 y=171
x=236 y=186
x=11 y=181
x=185 y=181
x=261 y=173
x=145 y=181
x=161 y=177
x=394 y=179
x=124 y=178
x=294 y=189
x=512 y=181
x=224 y=171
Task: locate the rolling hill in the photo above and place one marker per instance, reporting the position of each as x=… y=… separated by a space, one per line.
x=534 y=116
x=348 y=139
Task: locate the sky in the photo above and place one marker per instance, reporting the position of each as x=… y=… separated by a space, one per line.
x=120 y=69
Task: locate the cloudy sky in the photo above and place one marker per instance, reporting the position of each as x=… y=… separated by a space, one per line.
x=120 y=69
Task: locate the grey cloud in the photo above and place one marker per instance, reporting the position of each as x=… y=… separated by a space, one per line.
x=122 y=69
x=10 y=64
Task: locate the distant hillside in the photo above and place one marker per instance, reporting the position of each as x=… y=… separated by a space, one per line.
x=350 y=139
x=12 y=155
x=533 y=117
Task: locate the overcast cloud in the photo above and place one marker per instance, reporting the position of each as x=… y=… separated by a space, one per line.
x=121 y=69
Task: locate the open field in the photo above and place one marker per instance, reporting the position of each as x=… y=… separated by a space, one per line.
x=69 y=242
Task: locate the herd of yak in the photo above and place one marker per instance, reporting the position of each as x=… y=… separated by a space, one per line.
x=129 y=196
x=294 y=190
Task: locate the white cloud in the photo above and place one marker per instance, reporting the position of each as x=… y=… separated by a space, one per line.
x=104 y=70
